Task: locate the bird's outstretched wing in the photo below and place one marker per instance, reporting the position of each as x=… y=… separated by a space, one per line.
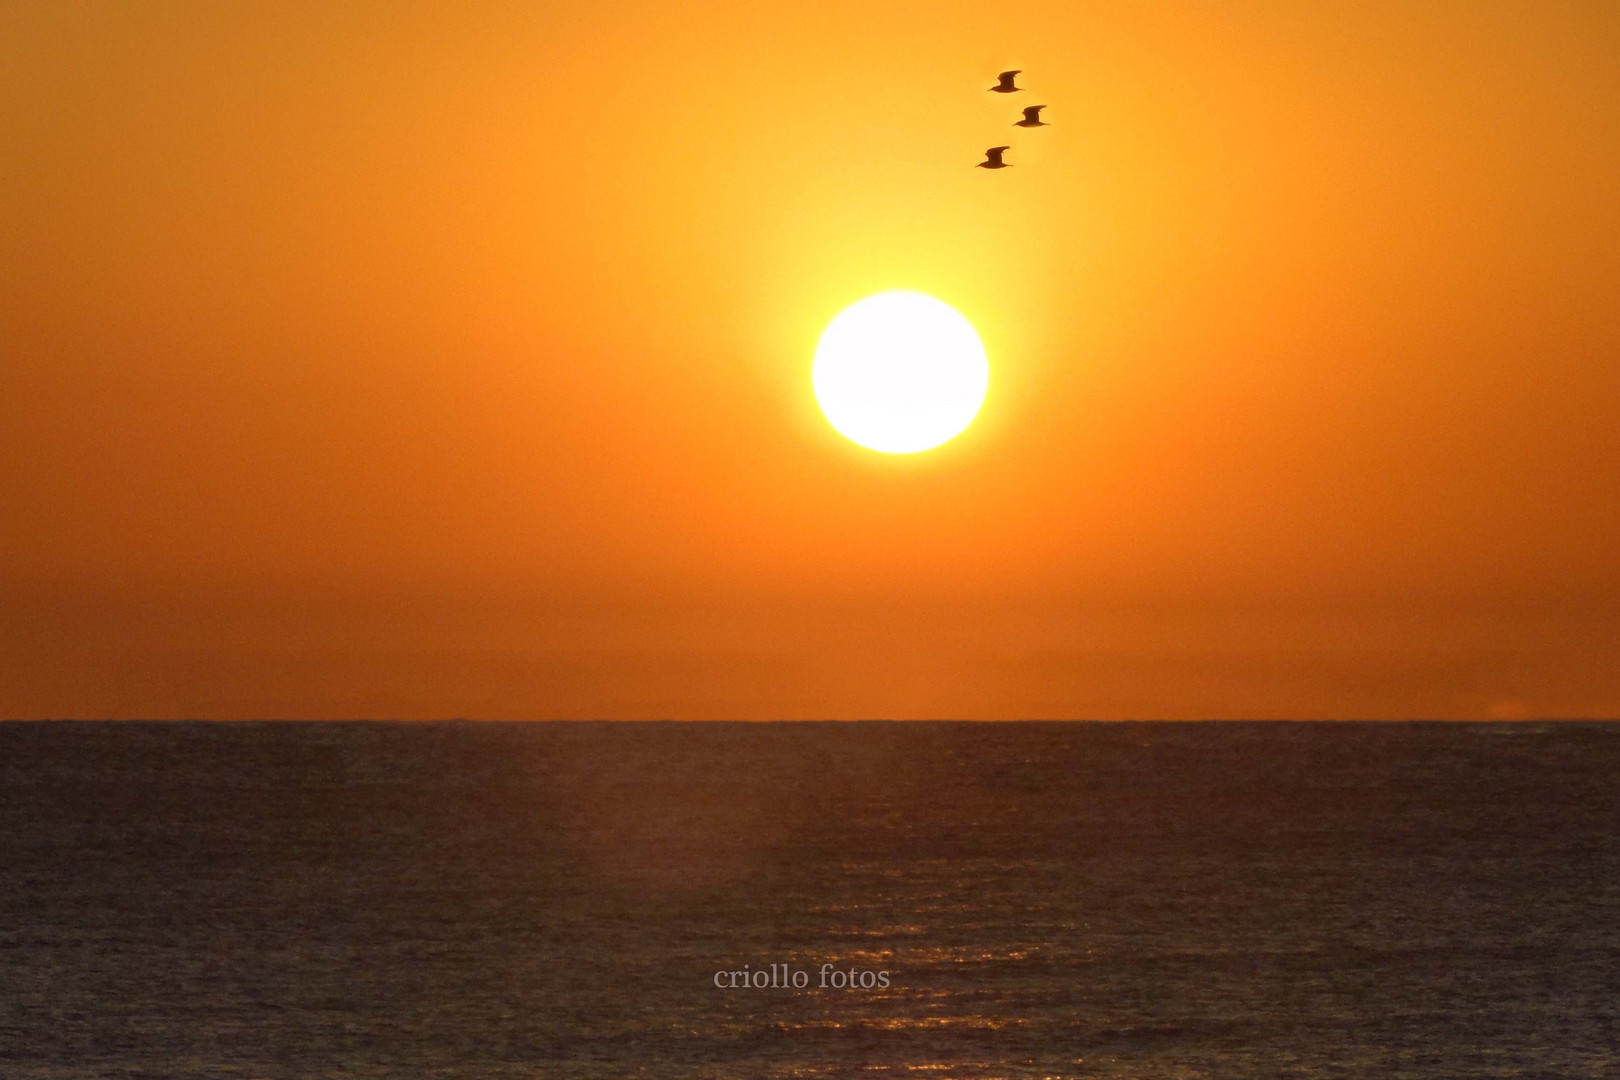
x=995 y=151
x=1033 y=112
x=1007 y=76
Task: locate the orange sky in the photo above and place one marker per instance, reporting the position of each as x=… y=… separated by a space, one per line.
x=401 y=359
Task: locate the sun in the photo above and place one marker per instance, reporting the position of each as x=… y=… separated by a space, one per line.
x=900 y=372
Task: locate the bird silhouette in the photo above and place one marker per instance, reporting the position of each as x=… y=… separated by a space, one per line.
x=1005 y=86
x=1032 y=118
x=992 y=159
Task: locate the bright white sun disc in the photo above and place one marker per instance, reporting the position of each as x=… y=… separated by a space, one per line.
x=900 y=372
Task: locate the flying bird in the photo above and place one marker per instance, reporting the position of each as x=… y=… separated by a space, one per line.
x=1005 y=86
x=1032 y=118
x=992 y=159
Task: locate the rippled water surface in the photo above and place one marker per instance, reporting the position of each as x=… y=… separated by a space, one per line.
x=1047 y=900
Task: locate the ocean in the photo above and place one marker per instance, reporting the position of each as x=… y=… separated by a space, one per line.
x=589 y=901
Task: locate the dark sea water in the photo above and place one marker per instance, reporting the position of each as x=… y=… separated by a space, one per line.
x=1047 y=900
